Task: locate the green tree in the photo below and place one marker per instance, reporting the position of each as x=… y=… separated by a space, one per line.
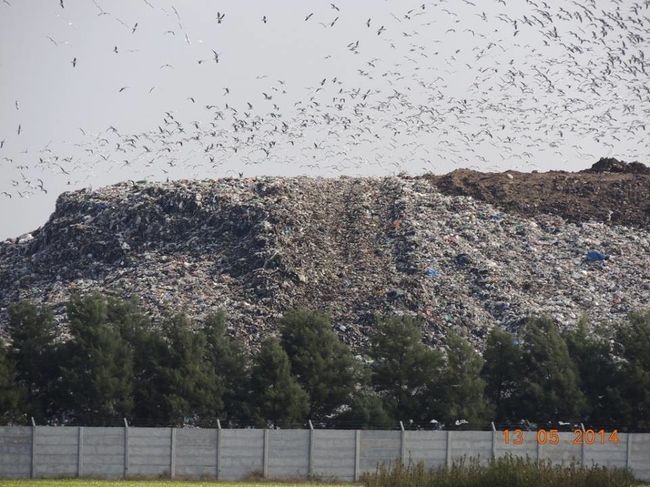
x=33 y=353
x=502 y=374
x=461 y=387
x=276 y=397
x=549 y=389
x=366 y=410
x=98 y=371
x=191 y=389
x=9 y=393
x=403 y=368
x=323 y=365
x=633 y=343
x=598 y=373
x=227 y=358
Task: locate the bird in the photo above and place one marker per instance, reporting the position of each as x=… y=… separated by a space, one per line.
x=19 y=129
x=74 y=62
x=122 y=89
x=61 y=3
x=381 y=29
x=115 y=50
x=134 y=27
x=220 y=17
x=334 y=7
x=264 y=19
x=216 y=56
x=309 y=16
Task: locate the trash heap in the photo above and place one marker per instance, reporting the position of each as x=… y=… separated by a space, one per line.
x=354 y=247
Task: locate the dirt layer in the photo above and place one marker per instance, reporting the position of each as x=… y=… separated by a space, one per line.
x=611 y=191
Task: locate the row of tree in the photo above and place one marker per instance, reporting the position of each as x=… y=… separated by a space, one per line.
x=113 y=363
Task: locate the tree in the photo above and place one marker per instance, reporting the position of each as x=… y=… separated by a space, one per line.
x=502 y=374
x=549 y=389
x=403 y=368
x=191 y=390
x=322 y=364
x=32 y=332
x=9 y=393
x=461 y=386
x=276 y=396
x=366 y=410
x=229 y=364
x=98 y=370
x=598 y=374
x=633 y=343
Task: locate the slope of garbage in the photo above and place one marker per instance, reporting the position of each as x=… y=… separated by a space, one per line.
x=355 y=247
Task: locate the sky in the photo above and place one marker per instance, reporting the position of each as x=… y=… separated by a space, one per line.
x=96 y=92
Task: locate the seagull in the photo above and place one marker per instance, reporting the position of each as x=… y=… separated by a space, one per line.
x=122 y=89
x=309 y=16
x=74 y=62
x=134 y=27
x=264 y=19
x=334 y=7
x=61 y=3
x=19 y=129
x=220 y=17
x=216 y=56
x=52 y=40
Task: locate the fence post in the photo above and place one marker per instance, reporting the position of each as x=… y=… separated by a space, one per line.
x=357 y=447
x=80 y=450
x=310 y=458
x=402 y=442
x=32 y=467
x=126 y=448
x=628 y=451
x=172 y=454
x=582 y=446
x=494 y=441
x=448 y=450
x=265 y=454
x=218 y=449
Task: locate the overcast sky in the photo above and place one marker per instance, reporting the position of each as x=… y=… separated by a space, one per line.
x=367 y=88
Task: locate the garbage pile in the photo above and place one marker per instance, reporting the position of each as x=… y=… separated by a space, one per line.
x=355 y=247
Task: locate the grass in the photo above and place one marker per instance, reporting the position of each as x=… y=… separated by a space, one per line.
x=502 y=472
x=151 y=483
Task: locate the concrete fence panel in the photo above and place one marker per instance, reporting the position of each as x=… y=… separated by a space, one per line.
x=334 y=454
x=56 y=449
x=639 y=455
x=607 y=454
x=466 y=445
x=150 y=452
x=103 y=452
x=196 y=453
x=428 y=447
x=377 y=448
x=242 y=453
x=288 y=453
x=15 y=452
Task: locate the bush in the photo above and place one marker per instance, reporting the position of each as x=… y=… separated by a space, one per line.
x=502 y=472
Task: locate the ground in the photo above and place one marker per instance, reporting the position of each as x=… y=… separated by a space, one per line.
x=149 y=483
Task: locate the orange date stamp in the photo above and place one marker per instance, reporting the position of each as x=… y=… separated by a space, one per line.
x=517 y=437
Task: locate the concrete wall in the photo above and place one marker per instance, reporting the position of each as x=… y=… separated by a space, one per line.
x=48 y=452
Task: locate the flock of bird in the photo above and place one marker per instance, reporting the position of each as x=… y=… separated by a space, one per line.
x=586 y=77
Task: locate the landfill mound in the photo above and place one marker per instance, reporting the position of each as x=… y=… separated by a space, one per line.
x=611 y=191
x=354 y=247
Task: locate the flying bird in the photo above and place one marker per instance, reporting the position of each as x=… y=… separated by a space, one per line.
x=220 y=17
x=334 y=7
x=134 y=27
x=216 y=56
x=309 y=16
x=122 y=89
x=74 y=62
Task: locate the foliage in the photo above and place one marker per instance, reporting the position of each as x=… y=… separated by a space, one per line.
x=322 y=364
x=403 y=368
x=460 y=393
x=275 y=394
x=548 y=389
